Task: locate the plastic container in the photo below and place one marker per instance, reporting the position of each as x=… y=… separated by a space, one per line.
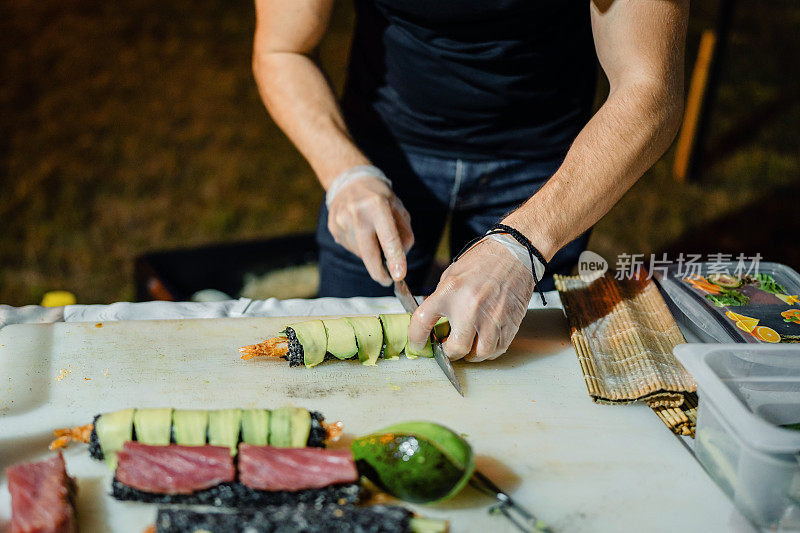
x=746 y=395
x=758 y=311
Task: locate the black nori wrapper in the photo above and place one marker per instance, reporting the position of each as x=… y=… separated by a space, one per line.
x=288 y=519
x=295 y=354
x=318 y=435
x=238 y=495
x=95 y=451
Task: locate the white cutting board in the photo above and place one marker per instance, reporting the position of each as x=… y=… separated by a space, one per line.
x=577 y=465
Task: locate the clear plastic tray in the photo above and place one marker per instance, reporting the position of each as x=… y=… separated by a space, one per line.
x=749 y=397
x=763 y=308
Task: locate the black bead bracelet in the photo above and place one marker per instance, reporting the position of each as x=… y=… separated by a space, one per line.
x=520 y=238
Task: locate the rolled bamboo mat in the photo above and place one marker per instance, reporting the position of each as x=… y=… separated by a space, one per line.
x=624 y=334
x=683 y=419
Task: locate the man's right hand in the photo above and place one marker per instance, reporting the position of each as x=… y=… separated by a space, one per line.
x=366 y=217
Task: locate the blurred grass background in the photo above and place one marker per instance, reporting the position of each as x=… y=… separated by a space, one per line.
x=135 y=126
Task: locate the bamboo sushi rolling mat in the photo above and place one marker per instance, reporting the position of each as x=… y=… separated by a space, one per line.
x=624 y=335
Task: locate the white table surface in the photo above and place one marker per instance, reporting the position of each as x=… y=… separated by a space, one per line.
x=633 y=455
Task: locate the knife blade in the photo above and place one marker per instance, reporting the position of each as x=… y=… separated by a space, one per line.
x=409 y=303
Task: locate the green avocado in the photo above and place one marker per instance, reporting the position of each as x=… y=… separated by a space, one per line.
x=369 y=336
x=395 y=334
x=415 y=461
x=224 y=427
x=190 y=427
x=312 y=337
x=341 y=338
x=299 y=427
x=280 y=427
x=113 y=430
x=255 y=426
x=153 y=426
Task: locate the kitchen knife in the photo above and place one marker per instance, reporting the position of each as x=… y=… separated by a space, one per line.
x=410 y=304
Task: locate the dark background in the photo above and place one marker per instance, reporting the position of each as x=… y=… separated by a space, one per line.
x=131 y=126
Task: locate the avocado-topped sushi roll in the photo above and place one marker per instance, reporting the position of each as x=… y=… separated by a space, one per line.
x=287 y=427
x=367 y=338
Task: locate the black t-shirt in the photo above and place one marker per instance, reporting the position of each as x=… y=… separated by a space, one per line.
x=472 y=78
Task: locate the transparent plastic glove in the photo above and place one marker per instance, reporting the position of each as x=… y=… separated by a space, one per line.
x=485 y=295
x=366 y=217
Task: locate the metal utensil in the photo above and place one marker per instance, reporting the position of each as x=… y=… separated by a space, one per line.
x=519 y=516
x=410 y=304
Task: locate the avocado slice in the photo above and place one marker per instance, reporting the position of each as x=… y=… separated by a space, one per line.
x=255 y=426
x=427 y=351
x=369 y=336
x=153 y=426
x=299 y=427
x=441 y=329
x=224 y=427
x=190 y=427
x=418 y=462
x=280 y=427
x=312 y=337
x=395 y=334
x=341 y=338
x=114 y=430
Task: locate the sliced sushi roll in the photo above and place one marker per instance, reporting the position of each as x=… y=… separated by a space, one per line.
x=367 y=338
x=207 y=475
x=284 y=427
x=298 y=518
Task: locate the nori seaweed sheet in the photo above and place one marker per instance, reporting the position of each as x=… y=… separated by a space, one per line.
x=238 y=495
x=288 y=519
x=295 y=354
x=95 y=451
x=317 y=435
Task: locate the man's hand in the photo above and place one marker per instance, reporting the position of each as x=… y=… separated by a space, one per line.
x=486 y=292
x=366 y=217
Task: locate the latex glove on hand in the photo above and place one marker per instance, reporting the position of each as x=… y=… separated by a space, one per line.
x=366 y=217
x=485 y=295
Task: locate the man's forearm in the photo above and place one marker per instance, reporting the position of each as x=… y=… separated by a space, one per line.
x=626 y=136
x=301 y=102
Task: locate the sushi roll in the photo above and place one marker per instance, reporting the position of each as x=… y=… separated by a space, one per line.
x=367 y=338
x=284 y=427
x=298 y=518
x=42 y=496
x=207 y=475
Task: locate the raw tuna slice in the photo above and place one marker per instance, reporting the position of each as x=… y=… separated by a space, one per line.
x=273 y=469
x=41 y=497
x=174 y=469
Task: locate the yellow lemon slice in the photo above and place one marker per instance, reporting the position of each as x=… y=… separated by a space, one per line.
x=747 y=324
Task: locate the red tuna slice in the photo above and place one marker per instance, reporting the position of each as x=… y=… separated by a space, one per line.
x=273 y=469
x=41 y=497
x=173 y=469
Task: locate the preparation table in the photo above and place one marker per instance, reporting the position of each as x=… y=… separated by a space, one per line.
x=578 y=465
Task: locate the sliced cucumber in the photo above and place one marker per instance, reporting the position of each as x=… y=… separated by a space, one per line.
x=299 y=427
x=224 y=427
x=311 y=336
x=341 y=338
x=369 y=336
x=255 y=426
x=114 y=430
x=153 y=426
x=280 y=427
x=190 y=427
x=395 y=334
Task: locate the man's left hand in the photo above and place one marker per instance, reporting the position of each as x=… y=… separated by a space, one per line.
x=484 y=295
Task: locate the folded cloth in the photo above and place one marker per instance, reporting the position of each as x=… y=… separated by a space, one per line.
x=624 y=335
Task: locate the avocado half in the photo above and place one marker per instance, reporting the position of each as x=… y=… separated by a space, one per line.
x=418 y=462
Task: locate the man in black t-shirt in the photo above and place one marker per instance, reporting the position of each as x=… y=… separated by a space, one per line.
x=474 y=112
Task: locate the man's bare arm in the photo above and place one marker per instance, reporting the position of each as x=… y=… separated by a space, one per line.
x=364 y=216
x=293 y=88
x=640 y=45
